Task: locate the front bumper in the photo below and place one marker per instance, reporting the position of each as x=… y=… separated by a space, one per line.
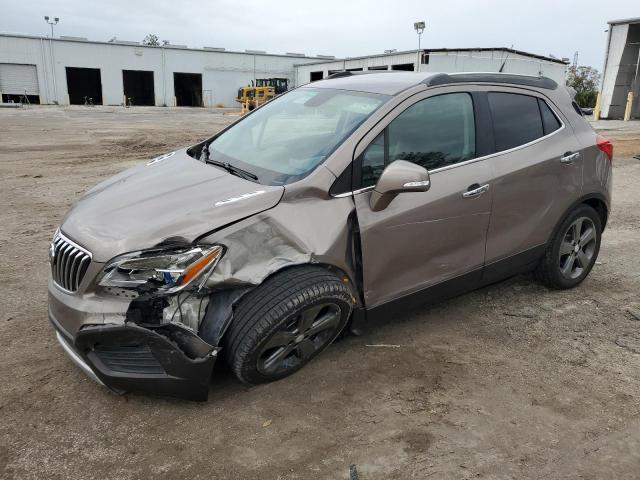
x=162 y=360
x=77 y=359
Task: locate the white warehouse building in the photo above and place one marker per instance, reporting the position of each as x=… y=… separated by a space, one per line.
x=71 y=70
x=443 y=60
x=67 y=69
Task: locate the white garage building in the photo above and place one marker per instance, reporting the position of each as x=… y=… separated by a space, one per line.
x=67 y=69
x=71 y=70
x=621 y=69
x=443 y=60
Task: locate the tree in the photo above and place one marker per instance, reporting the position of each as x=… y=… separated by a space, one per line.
x=585 y=81
x=151 y=40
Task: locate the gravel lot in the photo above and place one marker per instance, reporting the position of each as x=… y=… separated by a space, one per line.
x=511 y=381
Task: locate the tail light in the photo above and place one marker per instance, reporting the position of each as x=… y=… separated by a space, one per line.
x=605 y=146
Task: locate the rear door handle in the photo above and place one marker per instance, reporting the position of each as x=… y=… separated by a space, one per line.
x=569 y=157
x=475 y=190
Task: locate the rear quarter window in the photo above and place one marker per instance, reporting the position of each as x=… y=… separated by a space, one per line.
x=550 y=122
x=516 y=119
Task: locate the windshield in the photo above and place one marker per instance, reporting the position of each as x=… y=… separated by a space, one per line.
x=291 y=135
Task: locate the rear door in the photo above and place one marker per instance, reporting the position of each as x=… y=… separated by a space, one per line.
x=538 y=173
x=422 y=239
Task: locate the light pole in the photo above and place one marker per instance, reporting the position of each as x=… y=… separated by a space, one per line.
x=52 y=57
x=52 y=23
x=419 y=28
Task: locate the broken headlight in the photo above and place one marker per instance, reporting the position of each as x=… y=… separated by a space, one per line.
x=166 y=271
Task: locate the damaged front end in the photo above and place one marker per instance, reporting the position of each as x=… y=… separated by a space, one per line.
x=153 y=320
x=161 y=360
x=152 y=345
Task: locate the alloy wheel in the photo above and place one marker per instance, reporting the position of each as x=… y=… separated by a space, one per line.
x=577 y=248
x=299 y=339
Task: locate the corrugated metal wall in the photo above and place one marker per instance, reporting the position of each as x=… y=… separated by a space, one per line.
x=446 y=62
x=621 y=70
x=222 y=72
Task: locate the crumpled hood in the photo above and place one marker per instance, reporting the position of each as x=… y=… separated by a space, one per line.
x=178 y=198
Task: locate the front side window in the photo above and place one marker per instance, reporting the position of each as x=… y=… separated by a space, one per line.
x=434 y=133
x=373 y=161
x=290 y=136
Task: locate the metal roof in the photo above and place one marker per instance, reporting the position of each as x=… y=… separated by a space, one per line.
x=168 y=47
x=501 y=49
x=624 y=20
x=441 y=50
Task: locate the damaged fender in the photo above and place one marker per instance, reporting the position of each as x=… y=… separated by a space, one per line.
x=279 y=238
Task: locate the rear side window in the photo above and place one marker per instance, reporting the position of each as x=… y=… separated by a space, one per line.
x=550 y=122
x=516 y=119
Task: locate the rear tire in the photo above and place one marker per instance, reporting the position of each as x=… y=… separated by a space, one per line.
x=284 y=323
x=573 y=250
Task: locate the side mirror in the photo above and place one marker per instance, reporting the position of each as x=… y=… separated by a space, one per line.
x=399 y=176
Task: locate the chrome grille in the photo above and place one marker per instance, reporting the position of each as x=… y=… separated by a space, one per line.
x=69 y=263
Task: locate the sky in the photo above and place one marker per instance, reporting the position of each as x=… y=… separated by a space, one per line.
x=334 y=27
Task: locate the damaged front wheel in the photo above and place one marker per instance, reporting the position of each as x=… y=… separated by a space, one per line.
x=281 y=325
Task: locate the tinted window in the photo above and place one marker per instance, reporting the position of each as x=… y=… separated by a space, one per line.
x=373 y=161
x=550 y=122
x=516 y=119
x=434 y=132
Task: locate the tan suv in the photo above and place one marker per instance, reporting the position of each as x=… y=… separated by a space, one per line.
x=339 y=200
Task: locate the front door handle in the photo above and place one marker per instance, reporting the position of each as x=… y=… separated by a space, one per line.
x=569 y=157
x=475 y=190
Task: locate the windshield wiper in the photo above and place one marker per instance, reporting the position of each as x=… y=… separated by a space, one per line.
x=233 y=169
x=228 y=167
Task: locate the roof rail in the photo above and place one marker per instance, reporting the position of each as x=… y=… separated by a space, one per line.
x=347 y=73
x=340 y=74
x=447 y=78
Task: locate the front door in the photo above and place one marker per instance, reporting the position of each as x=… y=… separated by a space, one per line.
x=422 y=239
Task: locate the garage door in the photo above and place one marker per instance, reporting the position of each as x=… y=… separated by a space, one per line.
x=18 y=79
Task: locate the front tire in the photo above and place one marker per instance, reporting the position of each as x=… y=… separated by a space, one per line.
x=573 y=250
x=286 y=322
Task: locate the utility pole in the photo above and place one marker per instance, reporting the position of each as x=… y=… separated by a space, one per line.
x=419 y=28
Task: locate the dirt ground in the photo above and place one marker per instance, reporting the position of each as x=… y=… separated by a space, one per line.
x=511 y=381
